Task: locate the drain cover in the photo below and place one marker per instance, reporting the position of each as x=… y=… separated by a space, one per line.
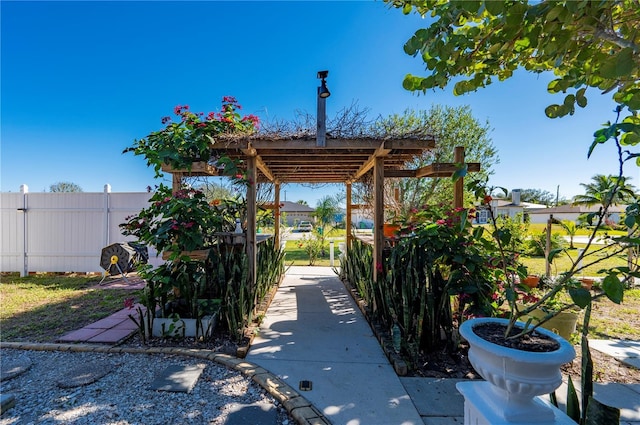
x=306 y=385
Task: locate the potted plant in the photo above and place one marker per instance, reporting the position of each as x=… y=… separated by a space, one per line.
x=555 y=315
x=506 y=348
x=531 y=281
x=515 y=375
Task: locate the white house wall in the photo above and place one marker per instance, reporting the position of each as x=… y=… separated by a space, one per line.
x=543 y=218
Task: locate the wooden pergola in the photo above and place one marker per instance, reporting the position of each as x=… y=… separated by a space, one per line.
x=328 y=160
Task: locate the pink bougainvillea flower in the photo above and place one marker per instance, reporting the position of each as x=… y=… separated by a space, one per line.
x=229 y=99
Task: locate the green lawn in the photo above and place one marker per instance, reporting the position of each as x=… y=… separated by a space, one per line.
x=296 y=256
x=43 y=307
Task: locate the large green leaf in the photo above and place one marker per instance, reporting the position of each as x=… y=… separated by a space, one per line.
x=580 y=296
x=573 y=406
x=613 y=288
x=581 y=100
x=598 y=413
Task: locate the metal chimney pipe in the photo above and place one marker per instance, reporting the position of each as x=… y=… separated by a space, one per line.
x=323 y=93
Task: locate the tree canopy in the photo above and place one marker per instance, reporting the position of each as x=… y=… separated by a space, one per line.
x=537 y=196
x=590 y=46
x=65 y=187
x=452 y=127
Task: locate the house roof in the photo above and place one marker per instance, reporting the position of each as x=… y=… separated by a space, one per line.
x=288 y=206
x=501 y=203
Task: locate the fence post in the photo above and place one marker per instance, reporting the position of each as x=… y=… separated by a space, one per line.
x=107 y=191
x=24 y=189
x=331 y=245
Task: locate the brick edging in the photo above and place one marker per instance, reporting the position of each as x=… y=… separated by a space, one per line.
x=298 y=407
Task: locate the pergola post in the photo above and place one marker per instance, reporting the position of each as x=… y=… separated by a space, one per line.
x=176 y=182
x=251 y=219
x=378 y=214
x=348 y=217
x=458 y=187
x=276 y=215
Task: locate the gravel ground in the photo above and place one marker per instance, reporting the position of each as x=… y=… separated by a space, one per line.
x=123 y=396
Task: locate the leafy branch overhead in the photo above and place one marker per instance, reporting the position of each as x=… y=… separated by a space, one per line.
x=591 y=47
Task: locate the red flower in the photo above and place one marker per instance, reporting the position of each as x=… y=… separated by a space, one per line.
x=379 y=267
x=488 y=199
x=128 y=303
x=229 y=99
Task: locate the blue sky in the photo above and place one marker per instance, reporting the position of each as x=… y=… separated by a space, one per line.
x=81 y=80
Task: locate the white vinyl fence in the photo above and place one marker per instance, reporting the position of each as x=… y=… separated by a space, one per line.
x=63 y=232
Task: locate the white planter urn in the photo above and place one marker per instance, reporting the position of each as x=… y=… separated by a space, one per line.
x=516 y=377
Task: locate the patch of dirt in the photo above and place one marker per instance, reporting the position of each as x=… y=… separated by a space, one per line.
x=220 y=342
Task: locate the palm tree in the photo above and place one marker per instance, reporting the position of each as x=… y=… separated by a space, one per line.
x=325 y=212
x=571 y=228
x=326 y=209
x=606 y=190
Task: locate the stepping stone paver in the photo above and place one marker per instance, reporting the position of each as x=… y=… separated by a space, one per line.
x=11 y=368
x=627 y=352
x=84 y=375
x=255 y=413
x=7 y=401
x=114 y=335
x=177 y=378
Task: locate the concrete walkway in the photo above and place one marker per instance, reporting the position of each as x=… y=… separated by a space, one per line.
x=313 y=333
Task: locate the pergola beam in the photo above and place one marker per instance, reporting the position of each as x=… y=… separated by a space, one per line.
x=444 y=169
x=369 y=163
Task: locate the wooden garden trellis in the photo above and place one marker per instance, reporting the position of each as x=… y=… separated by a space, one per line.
x=332 y=160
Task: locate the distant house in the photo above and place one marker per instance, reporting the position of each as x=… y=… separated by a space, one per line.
x=572 y=212
x=536 y=213
x=506 y=208
x=295 y=213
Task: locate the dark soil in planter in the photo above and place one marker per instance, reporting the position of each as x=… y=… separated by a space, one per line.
x=532 y=342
